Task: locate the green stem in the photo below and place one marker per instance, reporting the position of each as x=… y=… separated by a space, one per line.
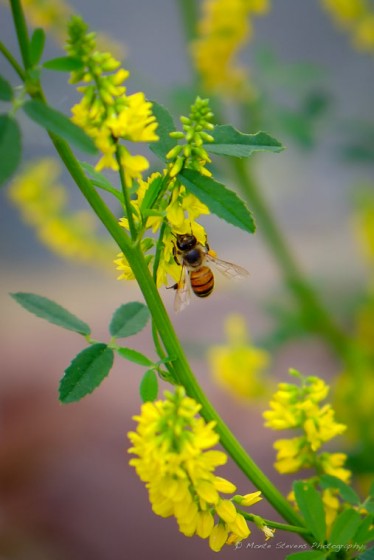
x=12 y=61
x=126 y=196
x=313 y=310
x=189 y=13
x=22 y=32
x=276 y=524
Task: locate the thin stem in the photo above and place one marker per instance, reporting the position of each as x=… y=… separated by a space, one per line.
x=12 y=61
x=126 y=197
x=188 y=11
x=22 y=32
x=313 y=310
x=276 y=524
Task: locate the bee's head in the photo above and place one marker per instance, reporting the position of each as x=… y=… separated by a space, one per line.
x=186 y=241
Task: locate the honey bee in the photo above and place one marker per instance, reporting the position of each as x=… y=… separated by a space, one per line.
x=196 y=275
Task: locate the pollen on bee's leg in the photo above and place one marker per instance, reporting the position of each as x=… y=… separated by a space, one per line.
x=212 y=253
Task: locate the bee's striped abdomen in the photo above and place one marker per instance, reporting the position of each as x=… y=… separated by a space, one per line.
x=202 y=281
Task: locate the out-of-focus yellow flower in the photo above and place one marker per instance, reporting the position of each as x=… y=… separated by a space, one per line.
x=331 y=506
x=225 y=27
x=53 y=17
x=357 y=18
x=174 y=458
x=42 y=201
x=238 y=366
x=297 y=407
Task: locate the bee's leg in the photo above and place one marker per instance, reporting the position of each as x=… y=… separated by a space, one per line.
x=173 y=287
x=175 y=255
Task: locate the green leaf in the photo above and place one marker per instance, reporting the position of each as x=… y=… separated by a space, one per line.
x=10 y=147
x=308 y=555
x=230 y=142
x=129 y=319
x=367 y=555
x=6 y=90
x=63 y=64
x=86 y=372
x=220 y=200
x=151 y=194
x=346 y=492
x=99 y=180
x=344 y=527
x=149 y=386
x=47 y=309
x=371 y=490
x=370 y=507
x=58 y=123
x=310 y=504
x=134 y=356
x=165 y=126
x=365 y=532
x=37 y=45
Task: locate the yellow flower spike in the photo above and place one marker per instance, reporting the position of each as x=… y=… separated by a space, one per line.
x=205 y=524
x=168 y=447
x=299 y=408
x=218 y=537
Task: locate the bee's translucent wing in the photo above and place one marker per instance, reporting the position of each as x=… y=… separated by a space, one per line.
x=228 y=269
x=183 y=295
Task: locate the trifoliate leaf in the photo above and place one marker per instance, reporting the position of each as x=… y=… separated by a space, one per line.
x=134 y=356
x=230 y=142
x=59 y=124
x=6 y=90
x=63 y=64
x=149 y=386
x=86 y=372
x=310 y=504
x=37 y=45
x=129 y=319
x=220 y=200
x=165 y=126
x=53 y=312
x=10 y=147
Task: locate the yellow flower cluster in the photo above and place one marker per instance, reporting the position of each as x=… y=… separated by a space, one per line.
x=43 y=205
x=175 y=210
x=298 y=407
x=224 y=29
x=175 y=460
x=105 y=112
x=237 y=366
x=357 y=18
